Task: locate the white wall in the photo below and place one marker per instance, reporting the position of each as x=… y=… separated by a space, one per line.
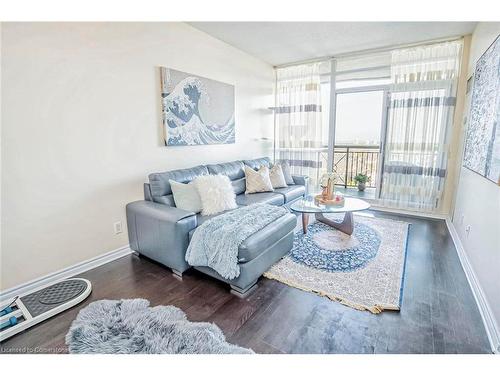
x=81 y=130
x=478 y=202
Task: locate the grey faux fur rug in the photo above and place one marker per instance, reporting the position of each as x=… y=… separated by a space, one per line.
x=132 y=326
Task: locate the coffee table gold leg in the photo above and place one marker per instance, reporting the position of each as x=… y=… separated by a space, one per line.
x=305 y=221
x=346 y=226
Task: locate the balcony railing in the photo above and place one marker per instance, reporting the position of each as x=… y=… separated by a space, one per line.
x=348 y=161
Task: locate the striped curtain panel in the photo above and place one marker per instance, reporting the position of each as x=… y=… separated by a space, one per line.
x=421 y=107
x=298 y=127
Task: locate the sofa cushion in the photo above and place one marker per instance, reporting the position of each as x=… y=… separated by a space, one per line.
x=291 y=193
x=257 y=163
x=233 y=170
x=200 y=219
x=270 y=198
x=160 y=186
x=165 y=199
x=254 y=245
x=239 y=185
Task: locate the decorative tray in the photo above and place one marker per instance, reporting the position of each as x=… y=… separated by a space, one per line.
x=336 y=201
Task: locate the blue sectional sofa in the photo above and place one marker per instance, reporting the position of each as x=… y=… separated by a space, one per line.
x=159 y=230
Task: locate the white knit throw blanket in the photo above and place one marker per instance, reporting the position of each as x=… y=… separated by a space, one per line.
x=215 y=243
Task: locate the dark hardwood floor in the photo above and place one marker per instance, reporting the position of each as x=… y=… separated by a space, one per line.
x=438 y=314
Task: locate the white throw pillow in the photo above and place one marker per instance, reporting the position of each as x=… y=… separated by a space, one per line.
x=257 y=181
x=276 y=176
x=216 y=193
x=186 y=196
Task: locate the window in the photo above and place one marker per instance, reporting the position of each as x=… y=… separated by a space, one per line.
x=359 y=118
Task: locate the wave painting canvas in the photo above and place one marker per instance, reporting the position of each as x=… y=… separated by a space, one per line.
x=482 y=144
x=196 y=110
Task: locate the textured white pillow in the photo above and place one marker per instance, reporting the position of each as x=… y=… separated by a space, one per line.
x=216 y=193
x=257 y=181
x=186 y=196
x=276 y=176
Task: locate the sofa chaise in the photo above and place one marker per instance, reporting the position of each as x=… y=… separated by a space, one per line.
x=160 y=231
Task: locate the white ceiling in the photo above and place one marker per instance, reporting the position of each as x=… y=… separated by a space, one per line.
x=286 y=42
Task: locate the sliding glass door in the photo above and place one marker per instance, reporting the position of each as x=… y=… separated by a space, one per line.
x=359 y=136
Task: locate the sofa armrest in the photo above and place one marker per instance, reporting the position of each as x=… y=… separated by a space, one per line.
x=160 y=232
x=159 y=211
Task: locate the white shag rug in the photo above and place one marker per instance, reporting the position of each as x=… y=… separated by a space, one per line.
x=364 y=271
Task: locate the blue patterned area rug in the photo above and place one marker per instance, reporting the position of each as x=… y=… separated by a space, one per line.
x=364 y=271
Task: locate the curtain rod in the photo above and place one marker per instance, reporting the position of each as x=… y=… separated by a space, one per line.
x=370 y=50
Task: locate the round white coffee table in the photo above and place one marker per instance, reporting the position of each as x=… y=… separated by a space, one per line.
x=307 y=206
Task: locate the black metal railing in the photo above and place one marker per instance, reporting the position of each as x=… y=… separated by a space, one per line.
x=350 y=160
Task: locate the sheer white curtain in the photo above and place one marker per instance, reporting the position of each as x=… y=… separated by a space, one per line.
x=422 y=102
x=298 y=122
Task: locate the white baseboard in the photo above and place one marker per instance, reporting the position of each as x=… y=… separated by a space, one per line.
x=490 y=323
x=427 y=215
x=70 y=271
